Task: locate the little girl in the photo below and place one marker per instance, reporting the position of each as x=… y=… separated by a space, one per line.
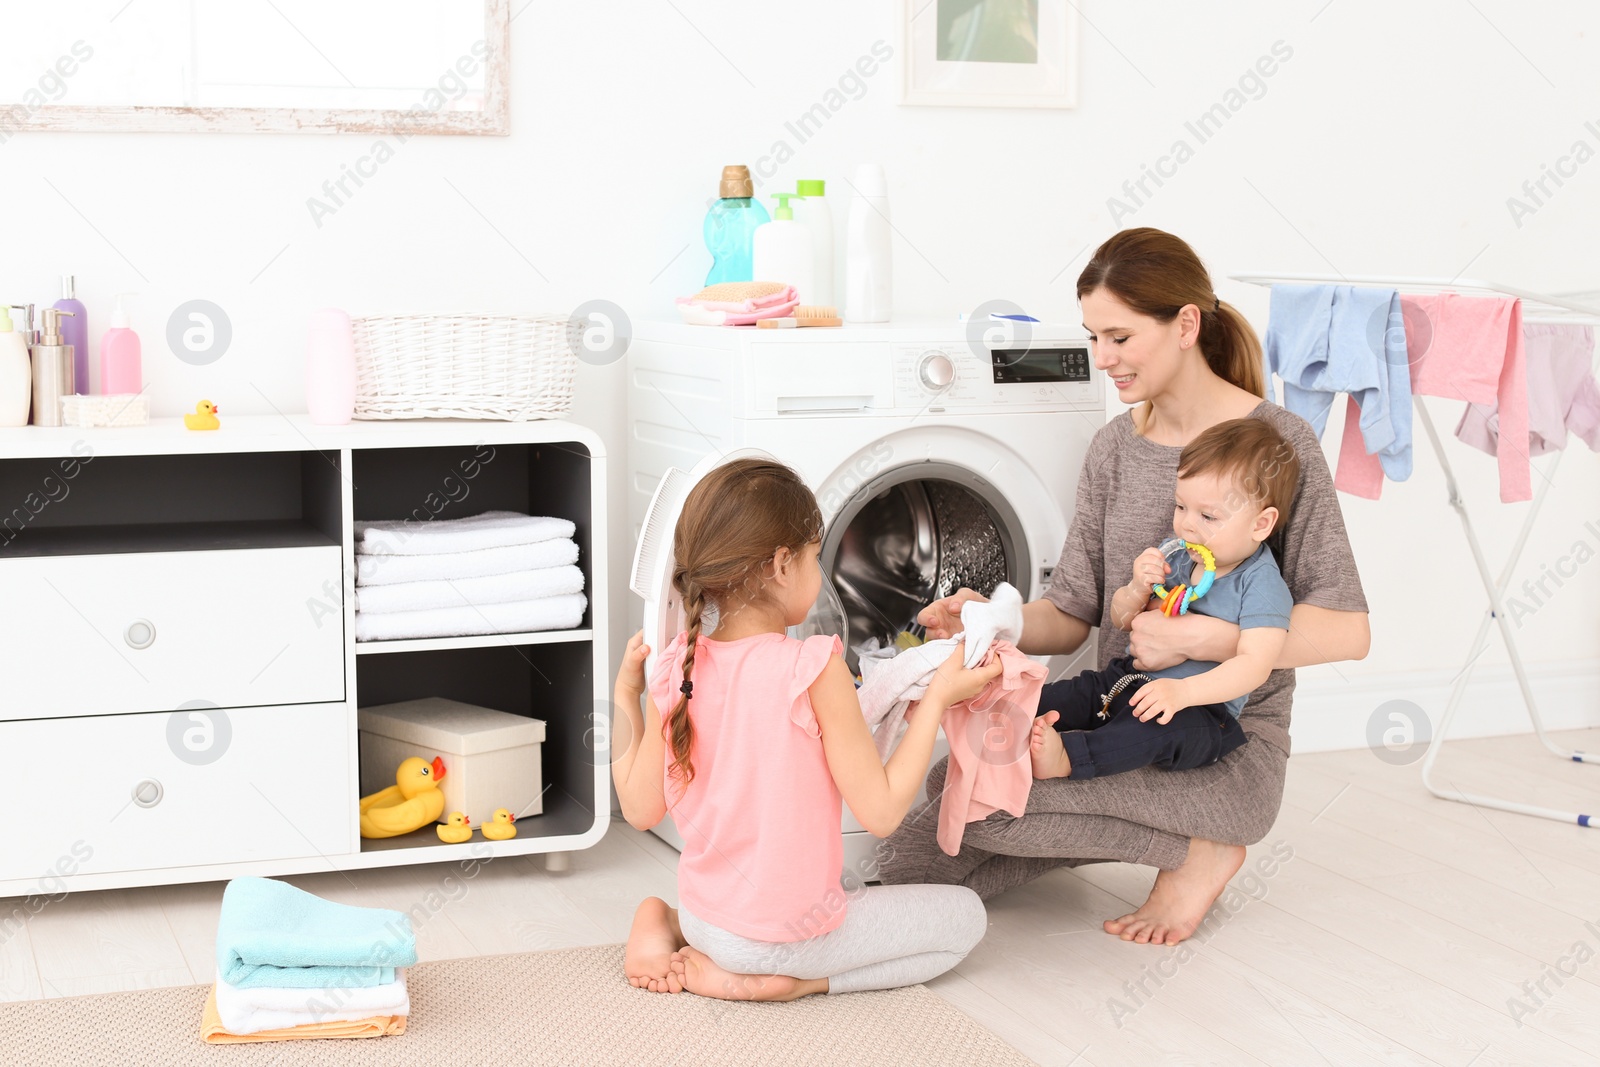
x=750 y=739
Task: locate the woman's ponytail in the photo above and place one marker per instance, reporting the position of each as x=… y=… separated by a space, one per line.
x=680 y=730
x=1157 y=274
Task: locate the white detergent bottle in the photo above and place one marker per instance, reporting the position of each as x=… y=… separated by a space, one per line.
x=781 y=252
x=812 y=210
x=16 y=374
x=868 y=281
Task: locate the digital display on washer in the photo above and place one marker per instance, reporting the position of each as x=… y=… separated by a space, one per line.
x=1033 y=364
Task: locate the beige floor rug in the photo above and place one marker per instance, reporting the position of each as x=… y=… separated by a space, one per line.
x=569 y=1007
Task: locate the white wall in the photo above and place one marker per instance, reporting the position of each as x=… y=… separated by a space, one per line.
x=1389 y=141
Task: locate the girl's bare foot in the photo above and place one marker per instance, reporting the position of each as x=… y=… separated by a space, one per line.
x=1048 y=753
x=1181 y=897
x=651 y=942
x=698 y=974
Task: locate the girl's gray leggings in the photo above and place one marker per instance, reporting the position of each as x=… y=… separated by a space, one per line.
x=892 y=935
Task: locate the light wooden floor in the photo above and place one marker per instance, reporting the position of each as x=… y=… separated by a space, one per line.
x=1396 y=932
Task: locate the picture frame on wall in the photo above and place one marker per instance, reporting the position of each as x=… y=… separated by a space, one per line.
x=989 y=53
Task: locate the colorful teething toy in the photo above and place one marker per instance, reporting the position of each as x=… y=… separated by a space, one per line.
x=1176 y=601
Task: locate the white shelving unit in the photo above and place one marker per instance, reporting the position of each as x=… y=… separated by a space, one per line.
x=177 y=631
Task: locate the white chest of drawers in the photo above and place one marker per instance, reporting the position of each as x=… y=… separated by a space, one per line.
x=179 y=677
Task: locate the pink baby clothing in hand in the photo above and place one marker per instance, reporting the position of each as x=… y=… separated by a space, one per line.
x=1470 y=348
x=990 y=767
x=1562 y=395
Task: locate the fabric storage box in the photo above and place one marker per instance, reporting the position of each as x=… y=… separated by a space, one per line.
x=491 y=758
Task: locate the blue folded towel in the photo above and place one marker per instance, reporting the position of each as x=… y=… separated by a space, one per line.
x=272 y=934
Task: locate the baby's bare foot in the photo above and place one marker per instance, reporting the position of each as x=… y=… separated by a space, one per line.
x=651 y=943
x=699 y=975
x=1045 y=748
x=1181 y=897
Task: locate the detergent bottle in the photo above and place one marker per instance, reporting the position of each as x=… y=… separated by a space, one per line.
x=730 y=227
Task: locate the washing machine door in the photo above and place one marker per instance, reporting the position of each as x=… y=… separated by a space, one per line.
x=653 y=556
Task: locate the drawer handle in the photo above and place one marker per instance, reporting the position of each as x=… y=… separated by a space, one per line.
x=141 y=633
x=148 y=793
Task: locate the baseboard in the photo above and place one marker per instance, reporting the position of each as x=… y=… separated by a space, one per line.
x=1332 y=714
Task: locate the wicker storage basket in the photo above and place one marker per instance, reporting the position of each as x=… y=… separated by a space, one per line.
x=513 y=367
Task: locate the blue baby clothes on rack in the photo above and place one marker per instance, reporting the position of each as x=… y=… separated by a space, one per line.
x=1328 y=339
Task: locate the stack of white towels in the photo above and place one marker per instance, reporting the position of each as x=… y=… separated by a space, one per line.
x=499 y=572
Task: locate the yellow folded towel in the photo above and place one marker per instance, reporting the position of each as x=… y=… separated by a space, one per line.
x=211 y=1030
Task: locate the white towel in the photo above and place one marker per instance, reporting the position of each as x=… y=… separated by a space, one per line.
x=889 y=687
x=453 y=566
x=492 y=529
x=248 y=1011
x=465 y=592
x=518 y=616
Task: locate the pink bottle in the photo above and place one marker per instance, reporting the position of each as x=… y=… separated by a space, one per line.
x=330 y=368
x=120 y=370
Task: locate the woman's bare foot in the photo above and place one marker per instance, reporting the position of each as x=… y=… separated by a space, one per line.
x=655 y=936
x=695 y=972
x=1181 y=897
x=1048 y=753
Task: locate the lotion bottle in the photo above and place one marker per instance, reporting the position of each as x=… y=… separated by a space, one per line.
x=120 y=371
x=813 y=212
x=782 y=252
x=75 y=332
x=16 y=374
x=868 y=281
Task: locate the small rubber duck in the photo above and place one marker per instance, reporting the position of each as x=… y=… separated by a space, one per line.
x=456 y=829
x=204 y=417
x=499 y=827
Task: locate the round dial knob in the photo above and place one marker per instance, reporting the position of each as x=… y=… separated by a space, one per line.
x=937 y=370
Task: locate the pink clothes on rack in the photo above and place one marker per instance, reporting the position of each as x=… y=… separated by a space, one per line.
x=1562 y=395
x=990 y=767
x=1470 y=348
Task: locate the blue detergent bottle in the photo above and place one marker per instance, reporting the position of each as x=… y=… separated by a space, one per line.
x=730 y=227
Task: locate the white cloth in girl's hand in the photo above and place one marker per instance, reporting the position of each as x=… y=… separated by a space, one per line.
x=492 y=529
x=889 y=687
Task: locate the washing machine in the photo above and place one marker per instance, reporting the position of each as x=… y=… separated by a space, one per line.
x=942 y=455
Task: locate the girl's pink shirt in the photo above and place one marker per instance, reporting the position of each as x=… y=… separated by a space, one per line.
x=762 y=852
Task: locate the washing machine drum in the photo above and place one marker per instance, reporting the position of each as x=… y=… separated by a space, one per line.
x=914 y=535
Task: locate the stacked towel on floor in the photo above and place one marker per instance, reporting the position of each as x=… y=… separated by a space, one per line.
x=499 y=572
x=291 y=965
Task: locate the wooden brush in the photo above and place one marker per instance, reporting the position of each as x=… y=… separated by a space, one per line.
x=806 y=315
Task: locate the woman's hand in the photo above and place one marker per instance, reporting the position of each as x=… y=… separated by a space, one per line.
x=952 y=682
x=1157 y=642
x=943 y=617
x=630 y=676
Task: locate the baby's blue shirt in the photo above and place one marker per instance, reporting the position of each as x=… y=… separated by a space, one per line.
x=1251 y=595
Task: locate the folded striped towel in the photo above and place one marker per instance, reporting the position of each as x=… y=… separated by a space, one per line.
x=465 y=592
x=249 y=1011
x=272 y=934
x=519 y=616
x=453 y=566
x=492 y=529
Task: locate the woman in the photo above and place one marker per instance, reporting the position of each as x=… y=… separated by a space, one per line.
x=1189 y=361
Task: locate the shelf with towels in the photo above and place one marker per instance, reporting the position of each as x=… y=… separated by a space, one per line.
x=1565 y=309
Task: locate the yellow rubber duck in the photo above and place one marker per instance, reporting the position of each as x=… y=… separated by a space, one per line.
x=456 y=829
x=410 y=804
x=204 y=417
x=499 y=827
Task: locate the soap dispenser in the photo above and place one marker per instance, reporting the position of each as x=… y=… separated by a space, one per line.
x=120 y=371
x=16 y=377
x=75 y=331
x=782 y=252
x=52 y=369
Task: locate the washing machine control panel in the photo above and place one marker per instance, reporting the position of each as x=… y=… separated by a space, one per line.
x=1004 y=376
